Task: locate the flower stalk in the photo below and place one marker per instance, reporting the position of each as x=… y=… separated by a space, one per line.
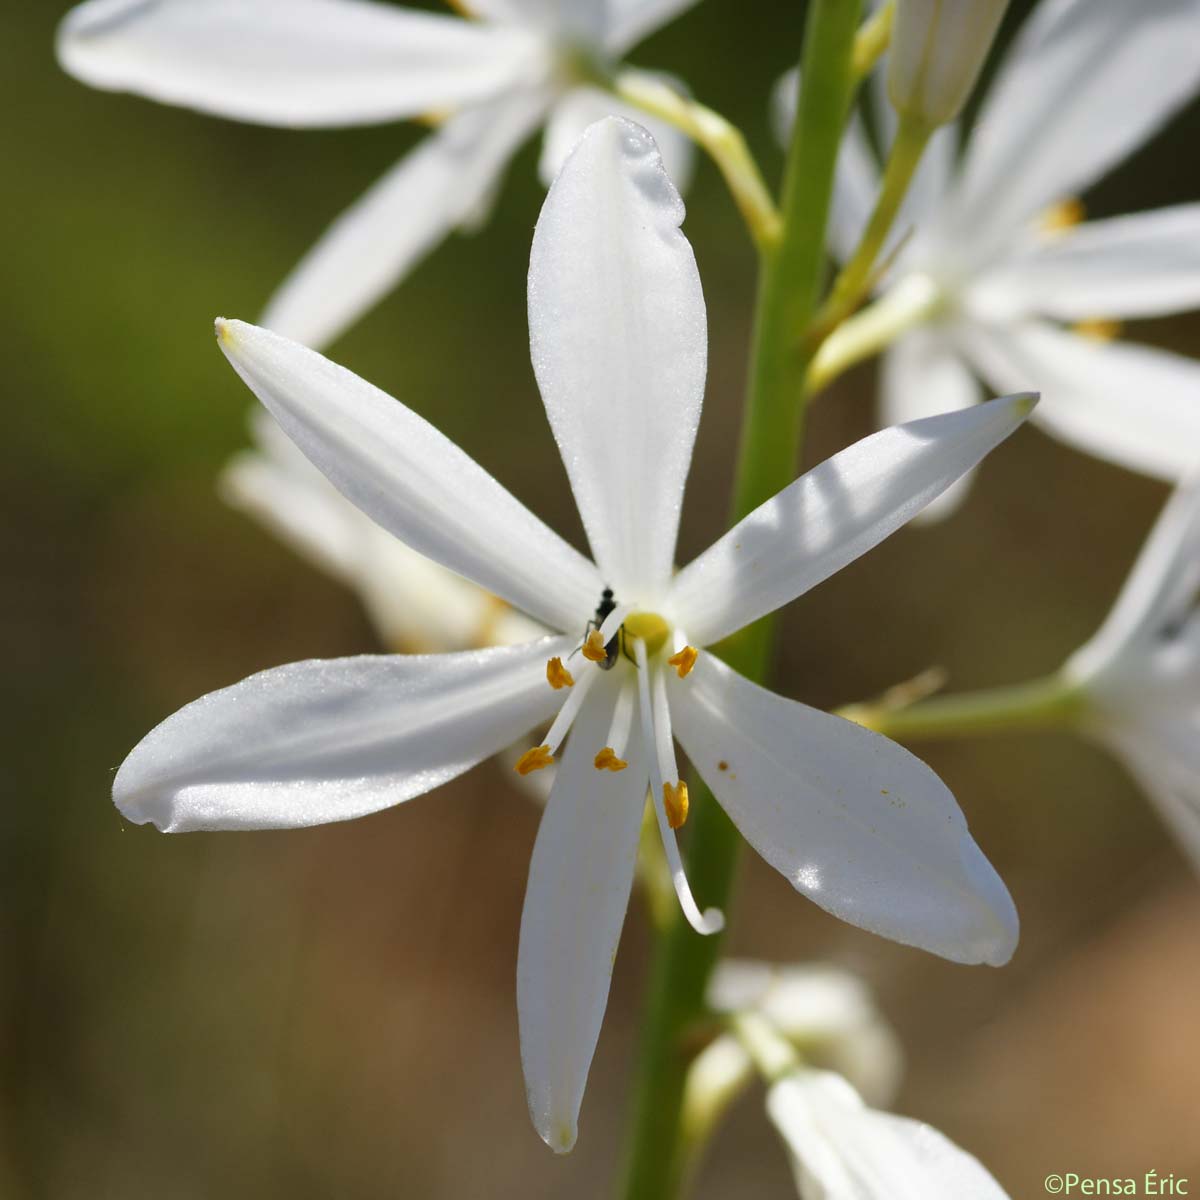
x=857 y=276
x=873 y=38
x=789 y=282
x=1048 y=703
x=913 y=301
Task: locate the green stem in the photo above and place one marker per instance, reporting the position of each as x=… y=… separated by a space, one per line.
x=790 y=278
x=855 y=279
x=1049 y=703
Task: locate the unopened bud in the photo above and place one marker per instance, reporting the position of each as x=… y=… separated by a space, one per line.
x=938 y=48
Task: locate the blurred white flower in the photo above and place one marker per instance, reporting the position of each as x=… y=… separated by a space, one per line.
x=489 y=82
x=1141 y=671
x=937 y=51
x=826 y=1012
x=997 y=272
x=619 y=342
x=416 y=605
x=843 y=1150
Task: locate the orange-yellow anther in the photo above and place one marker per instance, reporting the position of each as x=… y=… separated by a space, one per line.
x=534 y=760
x=1098 y=329
x=607 y=760
x=1064 y=215
x=557 y=676
x=593 y=647
x=684 y=661
x=675 y=801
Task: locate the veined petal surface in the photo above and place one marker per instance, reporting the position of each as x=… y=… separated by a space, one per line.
x=620 y=346
x=295 y=62
x=331 y=739
x=1142 y=265
x=387 y=231
x=842 y=1150
x=855 y=822
x=831 y=515
x=579 y=882
x=1083 y=84
x=1133 y=405
x=413 y=480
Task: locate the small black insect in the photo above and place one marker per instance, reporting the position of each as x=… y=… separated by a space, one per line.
x=613 y=648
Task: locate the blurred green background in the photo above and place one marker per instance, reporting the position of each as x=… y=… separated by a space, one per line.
x=331 y=1012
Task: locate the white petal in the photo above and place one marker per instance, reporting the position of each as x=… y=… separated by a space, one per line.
x=411 y=479
x=1084 y=84
x=416 y=605
x=842 y=1150
x=1143 y=265
x=630 y=21
x=937 y=51
x=294 y=62
x=1133 y=405
x=620 y=346
x=584 y=106
x=330 y=739
x=831 y=515
x=279 y=487
x=1174 y=793
x=384 y=234
x=855 y=822
x=922 y=375
x=1159 y=591
x=579 y=882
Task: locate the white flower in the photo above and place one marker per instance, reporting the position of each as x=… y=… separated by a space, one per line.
x=825 y=1011
x=937 y=52
x=1140 y=673
x=843 y=1150
x=619 y=347
x=1084 y=84
x=491 y=81
x=415 y=604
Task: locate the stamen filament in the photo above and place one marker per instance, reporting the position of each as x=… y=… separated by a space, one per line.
x=566 y=714
x=614 y=621
x=712 y=920
x=618 y=731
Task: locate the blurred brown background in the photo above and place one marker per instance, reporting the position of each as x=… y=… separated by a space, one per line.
x=331 y=1012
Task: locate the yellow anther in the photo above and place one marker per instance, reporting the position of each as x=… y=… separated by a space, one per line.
x=1098 y=329
x=607 y=760
x=1060 y=217
x=651 y=628
x=675 y=801
x=684 y=661
x=534 y=760
x=557 y=676
x=593 y=647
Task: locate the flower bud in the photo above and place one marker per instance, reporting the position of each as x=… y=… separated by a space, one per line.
x=938 y=48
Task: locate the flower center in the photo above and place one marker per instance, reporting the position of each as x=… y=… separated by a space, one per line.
x=615 y=632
